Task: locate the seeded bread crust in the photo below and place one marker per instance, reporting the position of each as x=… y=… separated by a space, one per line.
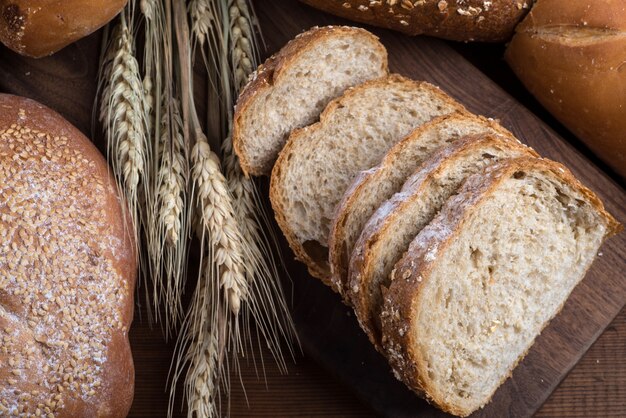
x=467 y=20
x=270 y=72
x=412 y=271
x=67 y=271
x=317 y=268
x=339 y=254
x=365 y=254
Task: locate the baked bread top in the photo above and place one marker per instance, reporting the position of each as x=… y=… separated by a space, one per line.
x=38 y=28
x=67 y=271
x=458 y=20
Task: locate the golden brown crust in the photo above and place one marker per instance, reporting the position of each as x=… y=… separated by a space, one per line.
x=270 y=72
x=364 y=258
x=38 y=28
x=413 y=270
x=66 y=327
x=338 y=259
x=468 y=20
x=571 y=56
x=320 y=268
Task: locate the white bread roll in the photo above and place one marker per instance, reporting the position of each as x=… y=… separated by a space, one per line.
x=571 y=55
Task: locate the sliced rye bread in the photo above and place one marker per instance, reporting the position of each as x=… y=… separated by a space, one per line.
x=292 y=87
x=374 y=186
x=388 y=233
x=483 y=279
x=320 y=161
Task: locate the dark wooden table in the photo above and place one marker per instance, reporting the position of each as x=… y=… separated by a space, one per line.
x=596 y=386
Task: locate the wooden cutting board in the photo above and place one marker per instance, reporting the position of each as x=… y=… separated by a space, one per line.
x=327 y=329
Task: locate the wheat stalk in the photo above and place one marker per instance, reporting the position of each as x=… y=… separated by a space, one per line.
x=170 y=249
x=218 y=221
x=244 y=51
x=172 y=176
x=270 y=310
x=122 y=115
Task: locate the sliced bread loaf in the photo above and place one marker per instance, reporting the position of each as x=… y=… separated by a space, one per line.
x=291 y=89
x=482 y=280
x=373 y=187
x=320 y=161
x=393 y=226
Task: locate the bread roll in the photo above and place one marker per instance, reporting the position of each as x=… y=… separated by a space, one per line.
x=67 y=272
x=38 y=28
x=458 y=20
x=572 y=56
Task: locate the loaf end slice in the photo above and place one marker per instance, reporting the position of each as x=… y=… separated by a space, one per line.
x=291 y=89
x=481 y=281
x=320 y=161
x=373 y=187
x=388 y=233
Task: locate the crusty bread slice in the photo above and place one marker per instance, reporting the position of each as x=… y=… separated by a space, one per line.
x=481 y=281
x=373 y=187
x=388 y=233
x=320 y=161
x=291 y=89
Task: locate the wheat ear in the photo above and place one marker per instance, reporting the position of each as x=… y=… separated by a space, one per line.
x=170 y=250
x=244 y=52
x=218 y=221
x=270 y=309
x=123 y=117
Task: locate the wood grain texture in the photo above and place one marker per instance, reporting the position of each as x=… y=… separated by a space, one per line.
x=339 y=361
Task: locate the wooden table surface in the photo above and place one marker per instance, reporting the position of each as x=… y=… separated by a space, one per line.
x=596 y=387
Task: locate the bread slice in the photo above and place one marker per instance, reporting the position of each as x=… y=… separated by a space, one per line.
x=319 y=162
x=291 y=89
x=481 y=281
x=373 y=187
x=393 y=226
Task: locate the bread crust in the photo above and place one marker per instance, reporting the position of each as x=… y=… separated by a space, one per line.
x=364 y=256
x=269 y=73
x=37 y=28
x=470 y=20
x=322 y=271
x=111 y=248
x=411 y=273
x=338 y=258
x=571 y=56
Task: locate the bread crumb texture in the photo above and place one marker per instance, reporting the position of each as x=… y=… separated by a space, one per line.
x=61 y=298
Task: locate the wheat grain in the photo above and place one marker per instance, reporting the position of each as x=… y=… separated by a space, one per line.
x=244 y=54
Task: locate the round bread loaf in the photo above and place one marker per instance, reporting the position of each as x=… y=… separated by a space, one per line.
x=67 y=272
x=38 y=28
x=458 y=20
x=571 y=55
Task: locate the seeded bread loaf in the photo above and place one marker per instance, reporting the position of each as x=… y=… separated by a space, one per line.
x=571 y=55
x=320 y=161
x=458 y=20
x=38 y=28
x=373 y=187
x=291 y=89
x=482 y=280
x=388 y=233
x=67 y=272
